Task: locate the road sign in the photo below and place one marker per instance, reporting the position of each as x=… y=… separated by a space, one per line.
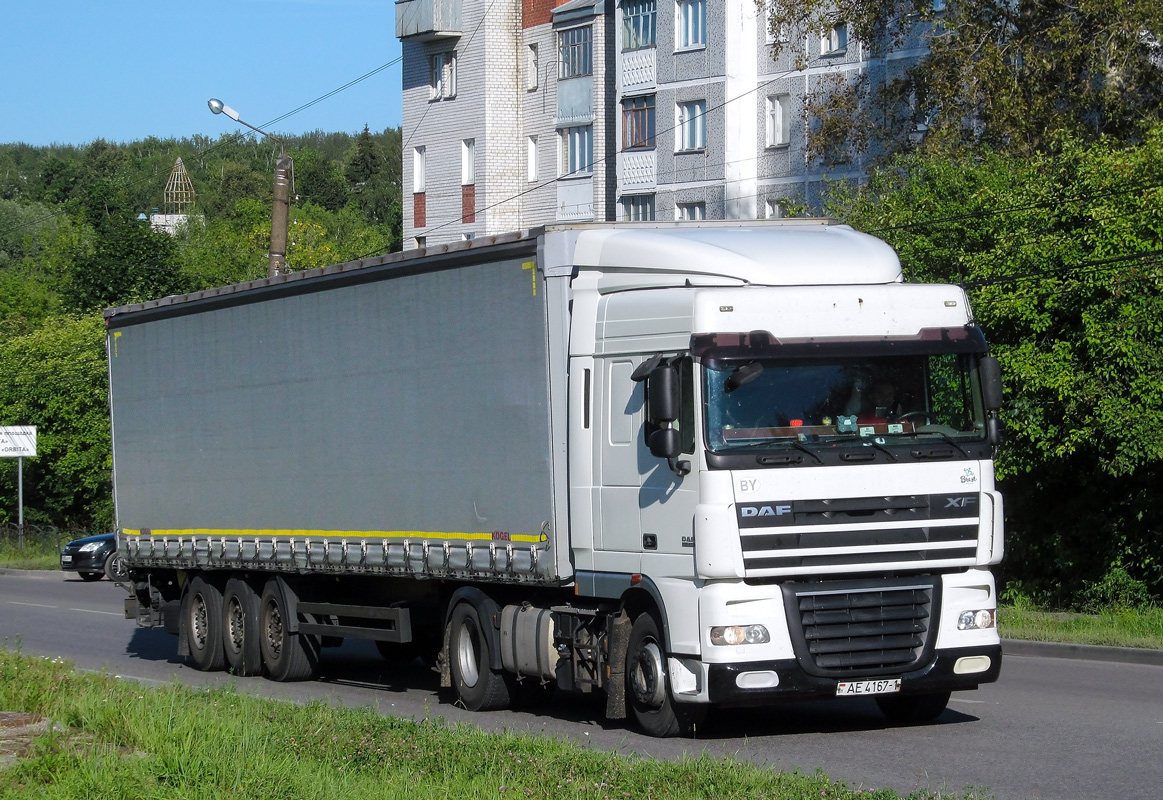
x=18 y=441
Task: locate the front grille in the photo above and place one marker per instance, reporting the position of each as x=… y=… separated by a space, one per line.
x=865 y=628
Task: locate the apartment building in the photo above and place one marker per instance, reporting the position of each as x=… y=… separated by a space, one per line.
x=519 y=113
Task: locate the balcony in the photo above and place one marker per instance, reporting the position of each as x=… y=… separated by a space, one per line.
x=636 y=170
x=639 y=70
x=427 y=20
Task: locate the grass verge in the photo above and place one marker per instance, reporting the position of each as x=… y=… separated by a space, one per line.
x=188 y=744
x=1113 y=627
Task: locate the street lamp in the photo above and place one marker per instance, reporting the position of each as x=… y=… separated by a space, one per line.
x=279 y=211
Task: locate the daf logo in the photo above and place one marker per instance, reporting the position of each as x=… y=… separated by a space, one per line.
x=765 y=511
x=960 y=502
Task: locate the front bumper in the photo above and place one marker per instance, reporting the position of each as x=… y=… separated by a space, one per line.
x=795 y=684
x=93 y=561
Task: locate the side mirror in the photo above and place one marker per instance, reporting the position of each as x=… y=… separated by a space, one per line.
x=665 y=443
x=663 y=391
x=991 y=388
x=995 y=430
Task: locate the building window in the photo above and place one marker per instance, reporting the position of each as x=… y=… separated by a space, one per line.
x=468 y=161
x=638 y=208
x=421 y=242
x=692 y=125
x=835 y=41
x=690 y=211
x=531 y=157
x=577 y=150
x=576 y=52
x=442 y=76
x=467 y=237
x=776 y=31
x=418 y=161
x=638 y=122
x=778 y=120
x=638 y=24
x=774 y=209
x=691 y=23
x=532 y=67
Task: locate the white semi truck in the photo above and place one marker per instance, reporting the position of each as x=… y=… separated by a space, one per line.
x=688 y=465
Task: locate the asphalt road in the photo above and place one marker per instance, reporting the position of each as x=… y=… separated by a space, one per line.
x=1050 y=728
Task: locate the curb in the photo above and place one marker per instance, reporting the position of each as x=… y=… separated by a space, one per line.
x=1082 y=652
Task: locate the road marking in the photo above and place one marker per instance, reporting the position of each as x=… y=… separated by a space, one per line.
x=95 y=611
x=34 y=605
x=963 y=700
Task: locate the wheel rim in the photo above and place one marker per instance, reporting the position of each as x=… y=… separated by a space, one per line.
x=274 y=630
x=467 y=649
x=235 y=625
x=199 y=623
x=646 y=677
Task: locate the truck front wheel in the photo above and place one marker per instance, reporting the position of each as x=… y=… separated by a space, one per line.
x=287 y=656
x=477 y=685
x=647 y=689
x=240 y=628
x=203 y=621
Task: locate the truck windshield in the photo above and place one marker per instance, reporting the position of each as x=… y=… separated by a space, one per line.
x=892 y=399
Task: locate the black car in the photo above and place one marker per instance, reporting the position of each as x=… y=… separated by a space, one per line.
x=94 y=556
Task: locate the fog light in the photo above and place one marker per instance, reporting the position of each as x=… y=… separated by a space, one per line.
x=730 y=635
x=970 y=665
x=760 y=679
x=976 y=620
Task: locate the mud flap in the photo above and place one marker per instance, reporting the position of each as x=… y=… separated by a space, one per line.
x=616 y=667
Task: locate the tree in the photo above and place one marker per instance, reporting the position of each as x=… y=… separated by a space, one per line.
x=1063 y=258
x=55 y=378
x=130 y=263
x=1008 y=74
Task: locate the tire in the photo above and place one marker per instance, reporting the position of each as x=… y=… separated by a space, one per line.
x=115 y=569
x=91 y=576
x=286 y=656
x=477 y=685
x=913 y=707
x=240 y=628
x=203 y=621
x=647 y=686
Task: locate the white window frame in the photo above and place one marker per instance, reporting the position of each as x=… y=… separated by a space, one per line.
x=835 y=41
x=577 y=151
x=638 y=208
x=690 y=126
x=468 y=162
x=531 y=160
x=639 y=24
x=778 y=120
x=773 y=209
x=419 y=159
x=784 y=34
x=532 y=68
x=690 y=212
x=690 y=24
x=442 y=75
x=575 y=49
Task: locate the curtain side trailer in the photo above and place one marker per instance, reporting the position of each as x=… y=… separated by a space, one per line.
x=686 y=465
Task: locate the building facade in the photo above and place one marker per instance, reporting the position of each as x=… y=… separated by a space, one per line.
x=519 y=113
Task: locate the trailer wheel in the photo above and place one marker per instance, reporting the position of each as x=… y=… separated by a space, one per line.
x=647 y=687
x=286 y=656
x=203 y=621
x=477 y=686
x=913 y=707
x=240 y=628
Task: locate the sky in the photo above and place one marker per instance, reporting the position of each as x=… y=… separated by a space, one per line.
x=72 y=71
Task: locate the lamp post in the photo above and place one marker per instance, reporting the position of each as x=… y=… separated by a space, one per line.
x=279 y=211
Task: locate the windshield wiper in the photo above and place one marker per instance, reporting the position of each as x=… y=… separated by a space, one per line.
x=768 y=442
x=948 y=439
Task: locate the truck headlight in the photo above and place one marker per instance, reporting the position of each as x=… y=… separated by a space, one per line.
x=730 y=635
x=976 y=620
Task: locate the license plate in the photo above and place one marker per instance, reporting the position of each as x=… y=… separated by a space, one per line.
x=66 y=559
x=851 y=688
